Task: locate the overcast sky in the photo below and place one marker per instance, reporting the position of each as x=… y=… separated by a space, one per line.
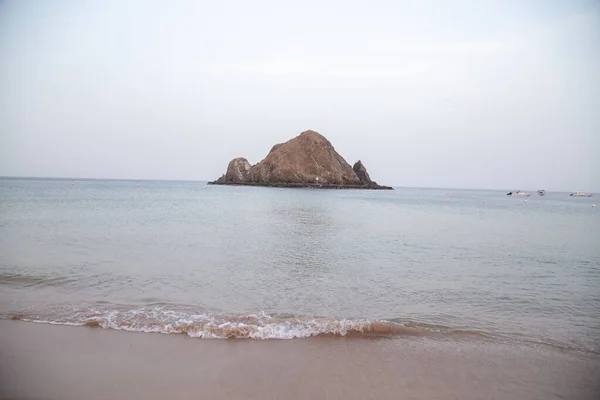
x=463 y=93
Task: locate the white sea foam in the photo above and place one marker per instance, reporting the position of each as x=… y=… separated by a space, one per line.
x=215 y=326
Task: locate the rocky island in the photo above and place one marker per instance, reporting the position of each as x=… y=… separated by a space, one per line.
x=308 y=160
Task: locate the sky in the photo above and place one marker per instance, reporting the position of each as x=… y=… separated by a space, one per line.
x=459 y=94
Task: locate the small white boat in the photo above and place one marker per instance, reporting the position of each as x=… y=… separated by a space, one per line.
x=580 y=194
x=518 y=193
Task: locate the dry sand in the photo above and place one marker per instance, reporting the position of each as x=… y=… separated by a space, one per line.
x=59 y=362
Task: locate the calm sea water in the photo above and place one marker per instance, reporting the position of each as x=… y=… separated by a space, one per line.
x=217 y=261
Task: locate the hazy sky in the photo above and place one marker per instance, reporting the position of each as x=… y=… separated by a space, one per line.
x=463 y=93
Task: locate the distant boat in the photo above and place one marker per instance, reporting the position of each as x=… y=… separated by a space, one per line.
x=542 y=192
x=580 y=194
x=518 y=193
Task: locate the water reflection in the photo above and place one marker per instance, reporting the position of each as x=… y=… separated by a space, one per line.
x=306 y=237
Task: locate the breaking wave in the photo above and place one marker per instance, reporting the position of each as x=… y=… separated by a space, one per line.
x=236 y=326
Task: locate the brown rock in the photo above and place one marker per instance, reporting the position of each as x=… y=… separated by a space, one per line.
x=308 y=160
x=363 y=175
x=237 y=171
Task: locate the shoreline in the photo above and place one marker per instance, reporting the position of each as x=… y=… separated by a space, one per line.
x=302 y=185
x=64 y=362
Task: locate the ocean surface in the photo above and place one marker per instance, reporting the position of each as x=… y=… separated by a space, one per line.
x=265 y=263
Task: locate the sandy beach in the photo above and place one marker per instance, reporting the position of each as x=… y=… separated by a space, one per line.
x=60 y=362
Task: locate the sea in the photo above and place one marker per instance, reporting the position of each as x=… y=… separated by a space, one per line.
x=216 y=262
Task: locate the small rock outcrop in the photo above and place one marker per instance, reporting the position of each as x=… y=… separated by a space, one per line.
x=363 y=175
x=308 y=160
x=237 y=171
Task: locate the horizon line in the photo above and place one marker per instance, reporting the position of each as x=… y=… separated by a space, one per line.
x=55 y=178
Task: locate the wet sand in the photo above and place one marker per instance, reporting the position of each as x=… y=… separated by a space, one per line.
x=60 y=362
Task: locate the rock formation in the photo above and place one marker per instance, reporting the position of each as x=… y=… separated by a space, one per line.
x=237 y=170
x=308 y=160
x=363 y=175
